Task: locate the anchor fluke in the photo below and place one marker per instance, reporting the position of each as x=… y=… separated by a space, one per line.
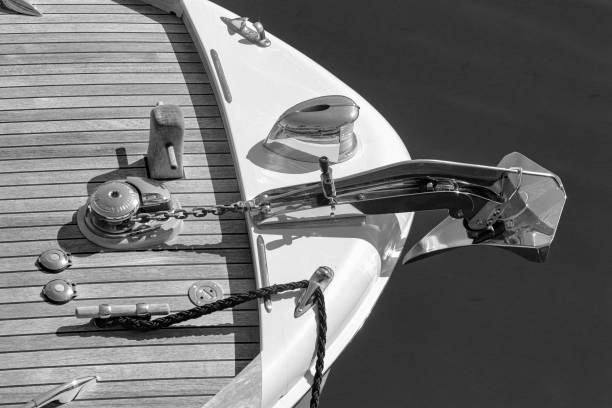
x=525 y=223
x=515 y=205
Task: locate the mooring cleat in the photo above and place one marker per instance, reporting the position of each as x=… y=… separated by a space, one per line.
x=319 y=280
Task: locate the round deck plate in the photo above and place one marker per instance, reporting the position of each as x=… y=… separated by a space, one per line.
x=203 y=292
x=59 y=291
x=54 y=260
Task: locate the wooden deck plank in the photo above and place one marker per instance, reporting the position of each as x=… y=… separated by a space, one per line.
x=132 y=274
x=105 y=162
x=127 y=389
x=105 y=101
x=103 y=149
x=124 y=2
x=123 y=372
x=198 y=242
x=63 y=47
x=95 y=57
x=135 y=18
x=96 y=137
x=97 y=9
x=14 y=220
x=83 y=189
x=86 y=125
x=113 y=290
x=110 y=67
x=161 y=402
x=36 y=219
x=91 y=28
x=127 y=338
x=71 y=176
x=206 y=226
x=115 y=37
x=105 y=90
x=70 y=114
x=83 y=246
x=102 y=79
x=73 y=325
x=153 y=258
x=40 y=309
x=162 y=353
x=192 y=401
x=73 y=203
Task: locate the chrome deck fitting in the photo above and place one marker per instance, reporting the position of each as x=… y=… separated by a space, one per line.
x=203 y=292
x=255 y=35
x=320 y=280
x=105 y=311
x=54 y=260
x=263 y=270
x=59 y=291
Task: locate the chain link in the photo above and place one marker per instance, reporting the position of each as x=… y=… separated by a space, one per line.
x=198 y=212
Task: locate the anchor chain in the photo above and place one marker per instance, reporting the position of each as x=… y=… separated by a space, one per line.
x=145 y=323
x=198 y=212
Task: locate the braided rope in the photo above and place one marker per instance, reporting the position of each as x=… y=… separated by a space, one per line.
x=145 y=324
x=320 y=347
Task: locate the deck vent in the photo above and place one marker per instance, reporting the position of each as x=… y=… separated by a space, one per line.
x=317 y=127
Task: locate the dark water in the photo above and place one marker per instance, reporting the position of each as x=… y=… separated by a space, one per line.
x=471 y=81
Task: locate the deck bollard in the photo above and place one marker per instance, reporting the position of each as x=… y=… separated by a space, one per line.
x=165 y=152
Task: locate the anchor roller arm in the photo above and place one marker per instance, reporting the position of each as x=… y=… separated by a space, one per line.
x=516 y=204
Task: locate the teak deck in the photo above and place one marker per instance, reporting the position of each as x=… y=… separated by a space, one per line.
x=76 y=89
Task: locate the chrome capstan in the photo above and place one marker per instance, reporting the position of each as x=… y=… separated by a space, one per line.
x=516 y=205
x=112 y=216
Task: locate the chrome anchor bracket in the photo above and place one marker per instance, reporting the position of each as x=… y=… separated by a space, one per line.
x=62 y=394
x=255 y=35
x=320 y=279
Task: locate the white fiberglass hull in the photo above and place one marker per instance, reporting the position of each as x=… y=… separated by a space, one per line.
x=263 y=83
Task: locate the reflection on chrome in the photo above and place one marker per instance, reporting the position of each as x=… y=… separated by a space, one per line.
x=314 y=128
x=526 y=223
x=516 y=205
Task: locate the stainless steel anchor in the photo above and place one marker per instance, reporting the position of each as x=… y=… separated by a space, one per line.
x=516 y=205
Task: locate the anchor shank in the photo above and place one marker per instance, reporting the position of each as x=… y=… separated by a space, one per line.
x=415 y=185
x=515 y=206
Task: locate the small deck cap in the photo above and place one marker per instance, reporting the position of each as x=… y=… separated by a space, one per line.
x=59 y=291
x=54 y=260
